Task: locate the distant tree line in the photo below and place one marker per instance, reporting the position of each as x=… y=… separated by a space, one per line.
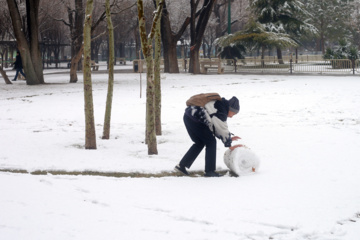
x=194 y=24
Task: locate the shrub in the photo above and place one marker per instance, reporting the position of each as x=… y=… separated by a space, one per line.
x=343 y=51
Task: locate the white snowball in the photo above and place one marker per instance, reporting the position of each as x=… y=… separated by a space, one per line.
x=241 y=161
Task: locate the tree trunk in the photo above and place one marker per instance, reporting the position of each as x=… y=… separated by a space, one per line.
x=197 y=32
x=322 y=43
x=4 y=75
x=90 y=134
x=169 y=41
x=29 y=51
x=169 y=44
x=262 y=56
x=74 y=64
x=76 y=31
x=194 y=66
x=146 y=46
x=57 y=55
x=157 y=76
x=170 y=54
x=150 y=107
x=32 y=7
x=106 y=132
x=279 y=56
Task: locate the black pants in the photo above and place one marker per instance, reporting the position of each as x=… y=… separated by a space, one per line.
x=19 y=70
x=201 y=135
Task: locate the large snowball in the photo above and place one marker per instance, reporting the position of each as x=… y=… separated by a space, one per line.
x=241 y=161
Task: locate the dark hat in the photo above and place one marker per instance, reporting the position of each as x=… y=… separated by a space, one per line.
x=234 y=105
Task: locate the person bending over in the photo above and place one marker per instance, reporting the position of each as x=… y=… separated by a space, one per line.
x=203 y=124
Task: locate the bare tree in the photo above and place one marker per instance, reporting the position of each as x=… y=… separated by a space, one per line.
x=4 y=75
x=146 y=45
x=90 y=134
x=107 y=120
x=219 y=21
x=197 y=30
x=126 y=24
x=209 y=37
x=6 y=35
x=75 y=24
x=169 y=40
x=28 y=45
x=3 y=48
x=157 y=79
x=53 y=34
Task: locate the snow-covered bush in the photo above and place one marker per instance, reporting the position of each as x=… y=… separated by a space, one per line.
x=342 y=51
x=241 y=161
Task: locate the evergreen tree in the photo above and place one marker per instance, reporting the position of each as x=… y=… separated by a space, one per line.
x=256 y=37
x=331 y=18
x=283 y=16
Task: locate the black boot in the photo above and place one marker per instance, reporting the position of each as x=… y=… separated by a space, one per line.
x=181 y=169
x=212 y=174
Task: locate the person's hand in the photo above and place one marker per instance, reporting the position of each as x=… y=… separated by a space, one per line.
x=236 y=146
x=235 y=138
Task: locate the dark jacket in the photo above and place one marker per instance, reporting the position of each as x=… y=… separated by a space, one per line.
x=214 y=115
x=18 y=62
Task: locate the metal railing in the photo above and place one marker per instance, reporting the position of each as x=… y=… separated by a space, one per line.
x=286 y=58
x=262 y=65
x=342 y=66
x=270 y=65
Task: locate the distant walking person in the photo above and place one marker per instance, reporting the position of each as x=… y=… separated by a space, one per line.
x=18 y=66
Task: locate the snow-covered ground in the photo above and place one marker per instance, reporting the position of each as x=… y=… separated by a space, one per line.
x=304 y=129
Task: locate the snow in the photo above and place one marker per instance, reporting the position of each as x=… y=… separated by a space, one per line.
x=241 y=161
x=304 y=129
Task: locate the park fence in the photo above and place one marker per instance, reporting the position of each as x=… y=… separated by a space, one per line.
x=303 y=64
x=300 y=65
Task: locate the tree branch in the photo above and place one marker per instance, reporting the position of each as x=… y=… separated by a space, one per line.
x=124 y=9
x=156 y=19
x=184 y=25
